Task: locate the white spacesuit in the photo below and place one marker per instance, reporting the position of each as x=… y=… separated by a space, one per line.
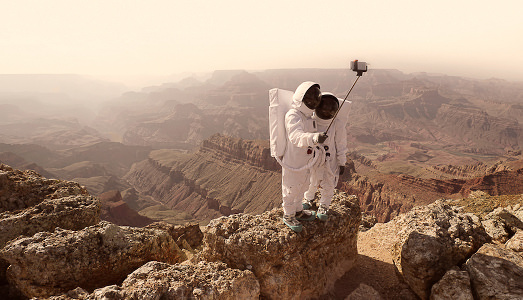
x=302 y=137
x=326 y=174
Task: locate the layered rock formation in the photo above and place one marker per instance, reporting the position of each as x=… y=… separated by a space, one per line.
x=255 y=153
x=226 y=176
x=390 y=194
x=468 y=171
x=432 y=115
x=230 y=175
x=188 y=125
x=499 y=183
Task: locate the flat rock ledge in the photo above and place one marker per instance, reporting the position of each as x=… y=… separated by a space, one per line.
x=288 y=265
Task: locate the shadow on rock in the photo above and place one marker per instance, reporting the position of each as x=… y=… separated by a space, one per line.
x=367 y=280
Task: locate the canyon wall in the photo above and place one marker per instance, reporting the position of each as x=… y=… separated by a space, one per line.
x=226 y=176
x=231 y=175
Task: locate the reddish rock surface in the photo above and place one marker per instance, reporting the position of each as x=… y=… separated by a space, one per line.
x=116 y=211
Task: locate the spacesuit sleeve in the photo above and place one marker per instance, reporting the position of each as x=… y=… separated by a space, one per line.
x=296 y=130
x=341 y=143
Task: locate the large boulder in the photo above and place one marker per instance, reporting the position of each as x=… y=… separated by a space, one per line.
x=496 y=273
x=432 y=239
x=48 y=264
x=288 y=265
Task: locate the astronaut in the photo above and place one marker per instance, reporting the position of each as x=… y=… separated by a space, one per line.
x=302 y=137
x=326 y=175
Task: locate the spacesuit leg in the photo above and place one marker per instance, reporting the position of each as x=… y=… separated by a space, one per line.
x=328 y=184
x=310 y=193
x=293 y=184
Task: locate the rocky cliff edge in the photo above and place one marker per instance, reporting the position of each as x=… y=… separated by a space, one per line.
x=241 y=256
x=439 y=251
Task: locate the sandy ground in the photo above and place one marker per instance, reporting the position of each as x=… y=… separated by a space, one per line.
x=374 y=268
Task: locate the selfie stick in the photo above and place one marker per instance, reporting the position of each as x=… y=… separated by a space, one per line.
x=339 y=108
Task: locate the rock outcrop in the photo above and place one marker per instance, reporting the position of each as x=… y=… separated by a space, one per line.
x=242 y=256
x=432 y=239
x=20 y=190
x=256 y=153
x=107 y=260
x=48 y=264
x=248 y=257
x=30 y=204
x=442 y=251
x=287 y=265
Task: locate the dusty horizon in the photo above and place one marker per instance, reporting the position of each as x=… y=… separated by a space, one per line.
x=123 y=41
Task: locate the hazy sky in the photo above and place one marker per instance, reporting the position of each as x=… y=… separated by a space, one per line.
x=476 y=38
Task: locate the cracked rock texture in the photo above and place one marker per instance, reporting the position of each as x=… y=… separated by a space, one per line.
x=430 y=240
x=204 y=280
x=56 y=248
x=30 y=203
x=48 y=264
x=288 y=265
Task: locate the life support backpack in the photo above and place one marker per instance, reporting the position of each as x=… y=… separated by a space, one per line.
x=280 y=101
